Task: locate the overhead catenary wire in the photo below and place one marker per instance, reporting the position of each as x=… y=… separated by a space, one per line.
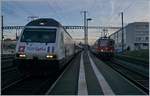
x=55 y=12
x=9 y=10
x=23 y=9
x=70 y=30
x=123 y=10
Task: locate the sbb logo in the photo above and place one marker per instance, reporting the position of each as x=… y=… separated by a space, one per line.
x=21 y=48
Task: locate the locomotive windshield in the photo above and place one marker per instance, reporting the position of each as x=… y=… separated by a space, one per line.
x=106 y=42
x=39 y=35
x=103 y=42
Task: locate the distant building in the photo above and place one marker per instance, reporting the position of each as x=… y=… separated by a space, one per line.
x=136 y=36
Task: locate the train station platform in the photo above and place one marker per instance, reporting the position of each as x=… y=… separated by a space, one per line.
x=88 y=75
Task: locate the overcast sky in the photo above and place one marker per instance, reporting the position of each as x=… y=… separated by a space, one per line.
x=68 y=12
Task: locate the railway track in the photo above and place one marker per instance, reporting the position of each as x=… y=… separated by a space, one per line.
x=7 y=56
x=33 y=85
x=140 y=80
x=7 y=61
x=29 y=86
x=9 y=71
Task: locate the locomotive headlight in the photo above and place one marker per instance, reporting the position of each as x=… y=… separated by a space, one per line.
x=22 y=55
x=102 y=50
x=51 y=56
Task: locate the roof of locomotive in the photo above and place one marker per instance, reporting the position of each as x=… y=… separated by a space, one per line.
x=105 y=38
x=44 y=22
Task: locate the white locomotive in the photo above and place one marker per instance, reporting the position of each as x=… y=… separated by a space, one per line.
x=43 y=45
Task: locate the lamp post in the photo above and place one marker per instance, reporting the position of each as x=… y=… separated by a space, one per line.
x=122 y=32
x=88 y=19
x=84 y=15
x=2 y=35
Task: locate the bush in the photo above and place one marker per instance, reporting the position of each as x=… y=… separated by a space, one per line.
x=141 y=54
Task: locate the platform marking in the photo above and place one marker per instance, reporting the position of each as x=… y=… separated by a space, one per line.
x=82 y=85
x=102 y=82
x=54 y=84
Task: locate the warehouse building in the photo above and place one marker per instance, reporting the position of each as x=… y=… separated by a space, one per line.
x=136 y=36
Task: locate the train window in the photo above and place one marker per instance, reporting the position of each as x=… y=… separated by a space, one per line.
x=39 y=35
x=103 y=42
x=62 y=40
x=111 y=43
x=62 y=37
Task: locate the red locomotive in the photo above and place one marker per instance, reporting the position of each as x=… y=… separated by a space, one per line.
x=104 y=47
